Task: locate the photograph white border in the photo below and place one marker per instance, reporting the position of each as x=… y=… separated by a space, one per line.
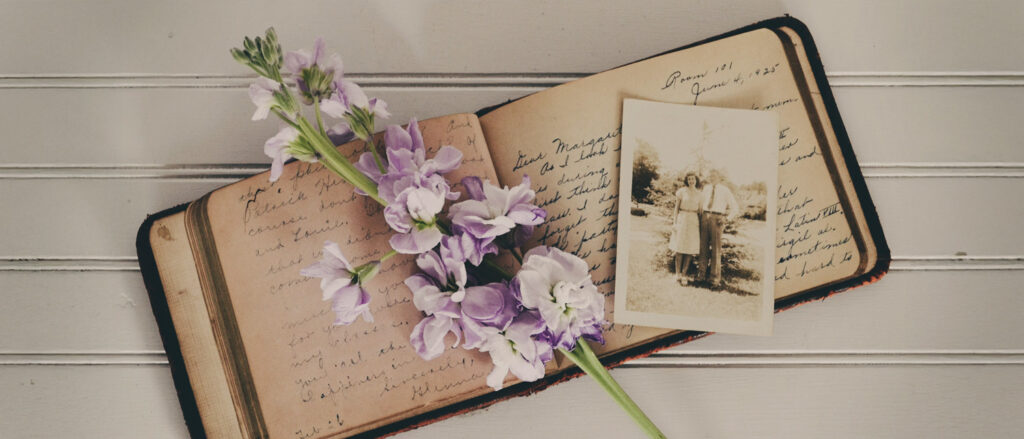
x=762 y=326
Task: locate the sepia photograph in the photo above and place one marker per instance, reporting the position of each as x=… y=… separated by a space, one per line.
x=695 y=237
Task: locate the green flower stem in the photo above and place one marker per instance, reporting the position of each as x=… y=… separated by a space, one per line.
x=585 y=358
x=517 y=255
x=497 y=268
x=285 y=118
x=319 y=118
x=372 y=146
x=337 y=163
x=388 y=255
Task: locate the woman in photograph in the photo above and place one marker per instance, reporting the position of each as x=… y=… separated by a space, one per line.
x=685 y=239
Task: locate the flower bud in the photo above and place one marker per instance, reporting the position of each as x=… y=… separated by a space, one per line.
x=249 y=45
x=272 y=36
x=239 y=55
x=266 y=50
x=361 y=122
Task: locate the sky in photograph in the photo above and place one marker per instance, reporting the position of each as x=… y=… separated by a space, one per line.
x=743 y=142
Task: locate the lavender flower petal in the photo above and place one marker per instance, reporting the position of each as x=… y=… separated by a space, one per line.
x=416 y=241
x=398 y=219
x=262 y=95
x=492 y=211
x=429 y=298
x=340 y=134
x=379 y=108
x=521 y=193
x=351 y=95
x=396 y=138
x=474 y=187
x=333 y=107
x=428 y=336
x=519 y=349
x=423 y=204
x=350 y=303
x=492 y=304
x=446 y=160
x=368 y=166
x=522 y=235
x=277 y=149
x=527 y=215
x=349 y=299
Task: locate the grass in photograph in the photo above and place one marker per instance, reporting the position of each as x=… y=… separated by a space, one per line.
x=652 y=282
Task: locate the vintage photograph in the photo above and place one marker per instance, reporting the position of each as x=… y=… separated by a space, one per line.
x=696 y=231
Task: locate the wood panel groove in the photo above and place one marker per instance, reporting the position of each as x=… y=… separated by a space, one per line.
x=900 y=263
x=146 y=126
x=657 y=360
x=231 y=172
x=475 y=80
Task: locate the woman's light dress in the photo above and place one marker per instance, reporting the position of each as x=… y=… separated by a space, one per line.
x=686 y=230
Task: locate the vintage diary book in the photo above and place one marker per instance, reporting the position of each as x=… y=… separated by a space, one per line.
x=250 y=342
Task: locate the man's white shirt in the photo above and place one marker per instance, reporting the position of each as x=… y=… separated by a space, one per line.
x=724 y=201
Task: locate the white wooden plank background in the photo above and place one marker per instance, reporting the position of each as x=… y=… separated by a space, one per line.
x=113 y=109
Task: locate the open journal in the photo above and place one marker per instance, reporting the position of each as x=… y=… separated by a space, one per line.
x=250 y=341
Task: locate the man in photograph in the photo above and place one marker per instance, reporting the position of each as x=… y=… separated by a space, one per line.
x=719 y=205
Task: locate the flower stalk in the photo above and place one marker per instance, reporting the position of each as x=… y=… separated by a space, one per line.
x=584 y=357
x=372 y=146
x=518 y=318
x=337 y=163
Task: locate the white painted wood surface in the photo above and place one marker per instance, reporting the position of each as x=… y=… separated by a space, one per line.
x=113 y=109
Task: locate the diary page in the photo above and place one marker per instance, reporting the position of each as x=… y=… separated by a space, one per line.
x=567 y=140
x=314 y=379
x=184 y=295
x=842 y=172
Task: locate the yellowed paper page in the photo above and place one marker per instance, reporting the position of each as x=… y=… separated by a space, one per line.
x=831 y=142
x=173 y=256
x=314 y=379
x=567 y=140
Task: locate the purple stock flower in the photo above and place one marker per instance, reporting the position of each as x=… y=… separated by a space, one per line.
x=558 y=285
x=407 y=162
x=286 y=144
x=262 y=94
x=440 y=285
x=413 y=187
x=470 y=248
x=521 y=348
x=396 y=138
x=491 y=321
x=437 y=292
x=313 y=72
x=340 y=285
x=413 y=214
x=298 y=60
x=347 y=97
x=487 y=310
x=492 y=211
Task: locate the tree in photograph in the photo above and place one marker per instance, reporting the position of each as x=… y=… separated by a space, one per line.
x=645 y=171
